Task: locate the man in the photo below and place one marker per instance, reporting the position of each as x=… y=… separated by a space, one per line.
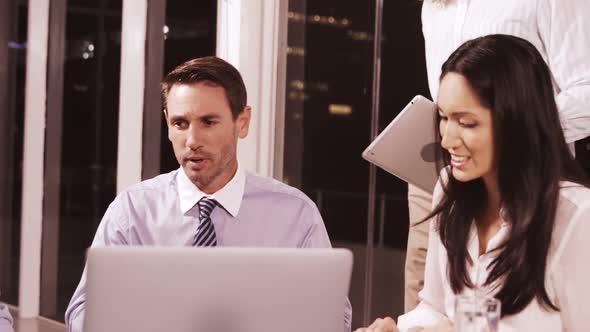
x=5 y=319
x=560 y=31
x=210 y=200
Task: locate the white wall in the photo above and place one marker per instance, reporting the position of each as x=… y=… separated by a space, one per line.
x=33 y=157
x=251 y=35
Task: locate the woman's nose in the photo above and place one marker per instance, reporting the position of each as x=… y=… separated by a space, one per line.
x=450 y=138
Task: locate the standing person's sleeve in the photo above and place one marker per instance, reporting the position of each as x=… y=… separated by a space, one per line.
x=317 y=237
x=5 y=319
x=111 y=231
x=564 y=28
x=571 y=273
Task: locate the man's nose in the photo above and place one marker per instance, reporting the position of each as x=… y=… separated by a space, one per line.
x=193 y=141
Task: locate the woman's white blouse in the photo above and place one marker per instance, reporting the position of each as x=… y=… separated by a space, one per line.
x=567 y=274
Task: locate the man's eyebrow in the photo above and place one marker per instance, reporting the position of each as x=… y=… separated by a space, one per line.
x=209 y=116
x=177 y=117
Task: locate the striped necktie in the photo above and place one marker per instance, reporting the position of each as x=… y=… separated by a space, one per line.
x=205 y=236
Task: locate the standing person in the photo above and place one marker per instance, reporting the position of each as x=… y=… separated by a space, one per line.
x=209 y=200
x=559 y=29
x=5 y=319
x=511 y=210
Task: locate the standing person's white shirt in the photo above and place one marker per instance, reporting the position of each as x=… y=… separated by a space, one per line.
x=559 y=29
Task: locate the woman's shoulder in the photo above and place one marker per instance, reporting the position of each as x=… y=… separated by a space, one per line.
x=573 y=196
x=571 y=228
x=573 y=211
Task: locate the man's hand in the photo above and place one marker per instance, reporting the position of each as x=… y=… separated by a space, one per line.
x=386 y=324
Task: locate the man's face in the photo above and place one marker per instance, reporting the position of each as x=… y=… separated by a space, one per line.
x=204 y=134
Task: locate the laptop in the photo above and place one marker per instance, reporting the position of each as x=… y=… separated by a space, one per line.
x=186 y=289
x=406 y=147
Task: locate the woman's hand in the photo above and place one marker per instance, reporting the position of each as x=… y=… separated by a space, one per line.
x=386 y=324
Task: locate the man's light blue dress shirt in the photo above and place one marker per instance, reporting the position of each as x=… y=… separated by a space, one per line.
x=255 y=212
x=5 y=319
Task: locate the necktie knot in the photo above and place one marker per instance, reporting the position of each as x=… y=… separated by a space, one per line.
x=206 y=206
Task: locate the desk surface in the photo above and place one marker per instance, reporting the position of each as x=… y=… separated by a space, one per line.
x=37 y=325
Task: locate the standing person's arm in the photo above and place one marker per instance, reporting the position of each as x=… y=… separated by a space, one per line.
x=5 y=319
x=111 y=231
x=317 y=237
x=564 y=28
x=571 y=273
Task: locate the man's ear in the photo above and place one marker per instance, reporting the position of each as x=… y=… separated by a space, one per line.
x=243 y=122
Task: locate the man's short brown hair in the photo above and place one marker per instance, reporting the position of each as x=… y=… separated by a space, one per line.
x=213 y=70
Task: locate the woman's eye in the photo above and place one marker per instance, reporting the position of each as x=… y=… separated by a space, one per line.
x=468 y=124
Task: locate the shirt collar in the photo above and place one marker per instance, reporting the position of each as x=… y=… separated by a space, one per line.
x=229 y=197
x=497 y=240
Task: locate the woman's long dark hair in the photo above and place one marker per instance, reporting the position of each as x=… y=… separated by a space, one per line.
x=531 y=158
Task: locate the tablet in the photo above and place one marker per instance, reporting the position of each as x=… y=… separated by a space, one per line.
x=406 y=148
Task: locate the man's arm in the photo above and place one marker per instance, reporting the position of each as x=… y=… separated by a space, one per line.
x=5 y=319
x=111 y=231
x=565 y=31
x=317 y=237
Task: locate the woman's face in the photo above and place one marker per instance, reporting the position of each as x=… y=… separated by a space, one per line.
x=466 y=129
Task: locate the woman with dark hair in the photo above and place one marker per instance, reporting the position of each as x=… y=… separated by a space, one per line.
x=512 y=209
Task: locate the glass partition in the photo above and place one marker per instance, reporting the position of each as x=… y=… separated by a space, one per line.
x=327 y=119
x=331 y=65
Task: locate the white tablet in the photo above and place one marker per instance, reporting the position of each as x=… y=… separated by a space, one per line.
x=406 y=148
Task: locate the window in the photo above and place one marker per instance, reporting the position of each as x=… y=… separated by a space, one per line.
x=81 y=139
x=190 y=32
x=328 y=116
x=327 y=119
x=13 y=45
